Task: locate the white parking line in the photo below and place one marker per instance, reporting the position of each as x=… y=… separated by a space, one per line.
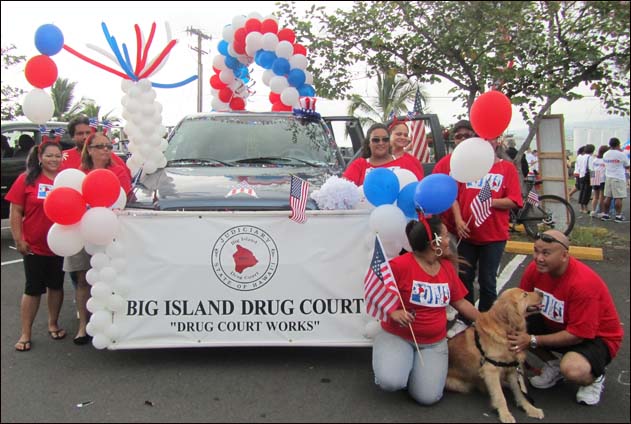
x=11 y=262
x=508 y=271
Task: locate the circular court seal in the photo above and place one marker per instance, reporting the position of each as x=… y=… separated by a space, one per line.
x=244 y=258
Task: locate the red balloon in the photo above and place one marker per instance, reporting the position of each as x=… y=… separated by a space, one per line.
x=252 y=24
x=269 y=25
x=216 y=83
x=41 y=71
x=64 y=206
x=237 y=103
x=491 y=114
x=274 y=97
x=101 y=187
x=225 y=94
x=239 y=46
x=300 y=49
x=239 y=35
x=287 y=35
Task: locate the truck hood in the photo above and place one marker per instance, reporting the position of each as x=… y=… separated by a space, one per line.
x=223 y=188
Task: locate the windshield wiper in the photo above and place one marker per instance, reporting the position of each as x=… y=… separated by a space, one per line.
x=275 y=160
x=200 y=162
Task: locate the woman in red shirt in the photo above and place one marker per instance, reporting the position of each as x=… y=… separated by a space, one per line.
x=29 y=227
x=428 y=282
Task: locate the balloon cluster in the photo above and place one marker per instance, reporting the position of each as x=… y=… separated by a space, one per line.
x=383 y=187
x=41 y=72
x=256 y=39
x=75 y=225
x=144 y=126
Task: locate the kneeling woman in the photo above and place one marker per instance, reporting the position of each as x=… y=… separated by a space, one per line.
x=428 y=282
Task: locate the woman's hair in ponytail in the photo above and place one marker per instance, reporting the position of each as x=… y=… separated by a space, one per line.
x=417 y=233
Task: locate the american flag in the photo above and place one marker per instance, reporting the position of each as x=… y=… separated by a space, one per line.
x=533 y=197
x=418 y=138
x=298 y=194
x=94 y=122
x=380 y=289
x=242 y=187
x=481 y=205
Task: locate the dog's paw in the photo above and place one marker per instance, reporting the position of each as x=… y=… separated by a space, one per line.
x=534 y=412
x=506 y=417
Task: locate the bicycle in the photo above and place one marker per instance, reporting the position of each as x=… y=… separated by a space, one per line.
x=551 y=212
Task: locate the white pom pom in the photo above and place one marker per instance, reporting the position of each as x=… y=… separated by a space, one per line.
x=336 y=193
x=371 y=330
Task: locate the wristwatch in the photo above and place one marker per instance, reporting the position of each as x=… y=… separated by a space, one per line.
x=533 y=341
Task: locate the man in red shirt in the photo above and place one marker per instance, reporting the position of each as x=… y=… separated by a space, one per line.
x=578 y=319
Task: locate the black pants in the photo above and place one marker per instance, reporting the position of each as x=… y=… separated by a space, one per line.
x=586 y=191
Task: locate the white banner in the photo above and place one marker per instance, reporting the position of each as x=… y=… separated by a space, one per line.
x=242 y=278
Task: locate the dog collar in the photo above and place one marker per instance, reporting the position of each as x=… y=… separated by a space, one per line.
x=486 y=358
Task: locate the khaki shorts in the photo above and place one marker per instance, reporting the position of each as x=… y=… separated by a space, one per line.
x=78 y=262
x=615 y=188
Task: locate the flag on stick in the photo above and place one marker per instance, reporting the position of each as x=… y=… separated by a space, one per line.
x=418 y=138
x=481 y=205
x=533 y=197
x=380 y=289
x=298 y=194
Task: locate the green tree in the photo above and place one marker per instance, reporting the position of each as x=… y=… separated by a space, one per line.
x=62 y=93
x=394 y=92
x=92 y=110
x=555 y=47
x=10 y=106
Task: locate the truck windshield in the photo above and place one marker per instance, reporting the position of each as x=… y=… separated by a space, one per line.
x=244 y=140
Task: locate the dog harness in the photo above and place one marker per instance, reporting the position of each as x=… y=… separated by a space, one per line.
x=489 y=360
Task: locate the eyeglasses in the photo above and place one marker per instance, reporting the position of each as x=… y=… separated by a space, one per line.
x=102 y=146
x=549 y=239
x=382 y=139
x=462 y=136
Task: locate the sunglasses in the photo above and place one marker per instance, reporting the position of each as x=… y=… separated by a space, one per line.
x=549 y=239
x=462 y=136
x=102 y=146
x=382 y=139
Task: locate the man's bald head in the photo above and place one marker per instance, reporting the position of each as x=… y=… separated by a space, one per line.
x=559 y=236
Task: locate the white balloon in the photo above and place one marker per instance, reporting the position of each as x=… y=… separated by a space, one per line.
x=238 y=21
x=94 y=305
x=363 y=202
x=121 y=201
x=253 y=42
x=108 y=274
x=115 y=303
x=70 y=177
x=122 y=286
x=119 y=264
x=389 y=222
x=126 y=85
x=38 y=106
x=290 y=96
x=218 y=105
x=144 y=85
x=99 y=226
x=255 y=15
x=219 y=62
x=113 y=332
x=471 y=160
x=308 y=77
x=284 y=49
x=226 y=76
x=115 y=249
x=101 y=291
x=405 y=177
x=99 y=260
x=93 y=249
x=65 y=240
x=228 y=33
x=278 y=83
x=372 y=329
x=270 y=41
x=101 y=341
x=268 y=74
x=298 y=61
x=92 y=276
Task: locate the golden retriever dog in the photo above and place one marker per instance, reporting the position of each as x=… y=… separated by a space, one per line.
x=490 y=362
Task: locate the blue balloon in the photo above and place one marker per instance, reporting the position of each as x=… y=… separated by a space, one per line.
x=267 y=59
x=222 y=47
x=281 y=66
x=306 y=90
x=405 y=200
x=435 y=193
x=49 y=40
x=381 y=187
x=232 y=62
x=296 y=77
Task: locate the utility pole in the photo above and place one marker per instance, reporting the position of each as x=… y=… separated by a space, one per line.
x=198 y=49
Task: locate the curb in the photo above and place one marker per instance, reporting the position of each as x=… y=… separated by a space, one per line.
x=579 y=252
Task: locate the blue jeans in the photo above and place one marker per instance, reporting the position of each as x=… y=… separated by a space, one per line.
x=396 y=364
x=487 y=258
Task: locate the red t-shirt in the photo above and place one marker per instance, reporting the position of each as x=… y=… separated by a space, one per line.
x=35 y=224
x=443 y=166
x=357 y=170
x=427 y=296
x=72 y=159
x=504 y=182
x=578 y=302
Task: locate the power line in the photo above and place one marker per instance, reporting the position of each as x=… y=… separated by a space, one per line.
x=200 y=36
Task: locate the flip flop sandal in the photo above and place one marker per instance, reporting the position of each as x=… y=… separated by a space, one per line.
x=57 y=334
x=26 y=346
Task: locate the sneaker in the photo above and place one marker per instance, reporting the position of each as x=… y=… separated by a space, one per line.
x=458 y=327
x=590 y=395
x=605 y=217
x=550 y=375
x=619 y=218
